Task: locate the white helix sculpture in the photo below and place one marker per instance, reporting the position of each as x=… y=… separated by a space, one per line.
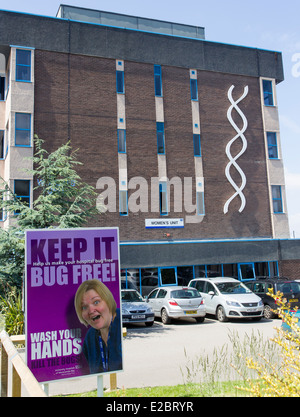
x=232 y=161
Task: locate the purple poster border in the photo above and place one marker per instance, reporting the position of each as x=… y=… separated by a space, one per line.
x=57 y=262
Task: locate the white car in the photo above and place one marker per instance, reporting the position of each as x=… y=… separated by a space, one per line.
x=228 y=298
x=177 y=302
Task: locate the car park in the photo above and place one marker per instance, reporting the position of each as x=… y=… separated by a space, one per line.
x=289 y=288
x=228 y=298
x=176 y=302
x=135 y=309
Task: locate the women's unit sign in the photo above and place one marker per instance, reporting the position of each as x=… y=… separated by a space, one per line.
x=57 y=262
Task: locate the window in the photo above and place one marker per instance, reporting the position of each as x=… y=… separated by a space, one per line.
x=22 y=191
x=197 y=145
x=168 y=276
x=160 y=130
x=194 y=89
x=120 y=82
x=157 y=81
x=23 y=65
x=268 y=93
x=272 y=145
x=200 y=203
x=277 y=199
x=163 y=199
x=246 y=271
x=2 y=150
x=121 y=140
x=23 y=129
x=123 y=203
x=2 y=88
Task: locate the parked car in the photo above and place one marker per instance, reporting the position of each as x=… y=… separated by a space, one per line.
x=176 y=302
x=290 y=290
x=228 y=298
x=135 y=309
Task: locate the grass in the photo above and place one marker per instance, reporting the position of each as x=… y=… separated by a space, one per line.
x=221 y=389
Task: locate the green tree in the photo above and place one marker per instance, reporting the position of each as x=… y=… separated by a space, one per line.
x=62 y=200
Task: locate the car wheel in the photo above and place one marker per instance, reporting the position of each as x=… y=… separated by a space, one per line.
x=149 y=323
x=199 y=319
x=164 y=317
x=268 y=313
x=221 y=316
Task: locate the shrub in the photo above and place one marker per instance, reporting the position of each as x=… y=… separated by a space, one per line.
x=279 y=380
x=11 y=310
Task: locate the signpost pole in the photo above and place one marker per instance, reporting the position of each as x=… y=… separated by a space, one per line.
x=99 y=386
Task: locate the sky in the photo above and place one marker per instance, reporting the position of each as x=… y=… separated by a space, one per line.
x=265 y=24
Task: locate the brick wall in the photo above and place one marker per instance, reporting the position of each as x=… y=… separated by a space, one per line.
x=76 y=95
x=289 y=269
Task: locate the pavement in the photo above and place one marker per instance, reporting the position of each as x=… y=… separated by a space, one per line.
x=155 y=356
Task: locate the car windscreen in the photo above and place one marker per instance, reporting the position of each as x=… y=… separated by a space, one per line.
x=288 y=287
x=131 y=296
x=189 y=293
x=232 y=288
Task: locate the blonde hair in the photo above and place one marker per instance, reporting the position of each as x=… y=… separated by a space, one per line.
x=101 y=289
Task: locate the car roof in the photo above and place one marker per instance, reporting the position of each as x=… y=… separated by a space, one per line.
x=174 y=287
x=217 y=279
x=128 y=289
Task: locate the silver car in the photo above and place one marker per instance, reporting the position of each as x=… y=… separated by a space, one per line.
x=135 y=309
x=228 y=298
x=176 y=302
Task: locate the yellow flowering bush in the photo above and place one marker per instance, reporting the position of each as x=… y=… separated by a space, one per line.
x=283 y=378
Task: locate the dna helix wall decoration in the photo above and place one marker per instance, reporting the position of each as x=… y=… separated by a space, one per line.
x=232 y=160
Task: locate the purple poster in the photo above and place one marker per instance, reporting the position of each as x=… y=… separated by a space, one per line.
x=73 y=321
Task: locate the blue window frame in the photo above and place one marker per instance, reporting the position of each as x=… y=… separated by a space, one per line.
x=22 y=191
x=272 y=145
x=168 y=276
x=163 y=198
x=121 y=140
x=194 y=89
x=157 y=81
x=23 y=129
x=197 y=145
x=277 y=199
x=160 y=131
x=123 y=202
x=268 y=93
x=246 y=271
x=23 y=65
x=120 y=82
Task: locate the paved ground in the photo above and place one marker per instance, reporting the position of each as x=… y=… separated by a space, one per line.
x=154 y=356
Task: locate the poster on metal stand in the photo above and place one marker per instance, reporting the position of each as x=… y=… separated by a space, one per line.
x=72 y=303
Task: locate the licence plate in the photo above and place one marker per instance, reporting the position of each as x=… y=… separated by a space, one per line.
x=251 y=310
x=294 y=300
x=138 y=316
x=191 y=312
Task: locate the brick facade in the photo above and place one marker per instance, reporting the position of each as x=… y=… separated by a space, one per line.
x=76 y=96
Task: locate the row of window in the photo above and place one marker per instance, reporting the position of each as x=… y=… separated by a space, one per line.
x=145 y=279
x=22 y=191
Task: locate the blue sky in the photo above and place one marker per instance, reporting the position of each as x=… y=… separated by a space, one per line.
x=266 y=24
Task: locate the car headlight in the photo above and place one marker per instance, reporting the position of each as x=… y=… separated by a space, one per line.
x=233 y=303
x=260 y=304
x=124 y=311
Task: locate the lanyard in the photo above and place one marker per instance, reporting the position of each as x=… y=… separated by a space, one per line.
x=104 y=357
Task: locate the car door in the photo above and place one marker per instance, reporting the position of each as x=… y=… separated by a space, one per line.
x=210 y=299
x=152 y=300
